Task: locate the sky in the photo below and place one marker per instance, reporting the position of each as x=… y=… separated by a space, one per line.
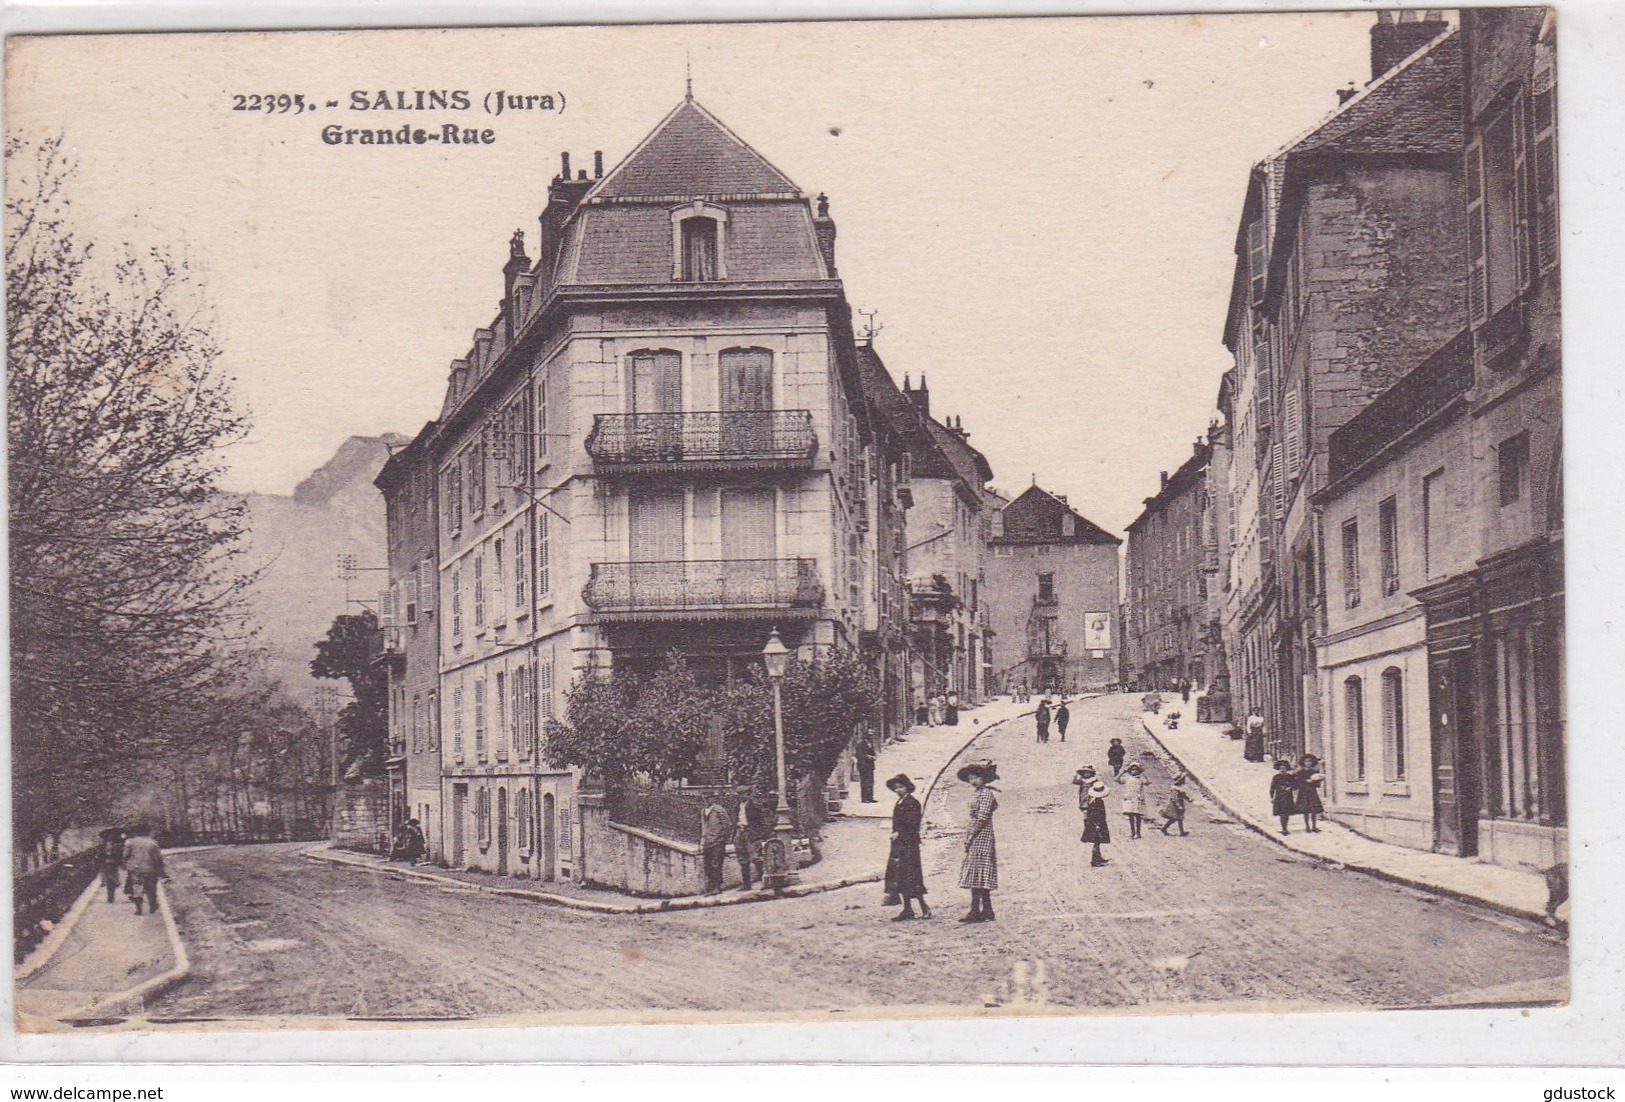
x=1041 y=212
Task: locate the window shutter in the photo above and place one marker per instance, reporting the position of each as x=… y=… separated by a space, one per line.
x=412 y=598
x=386 y=608
x=1523 y=221
x=1294 y=432
x=1256 y=261
x=544 y=575
x=1544 y=125
x=1277 y=463
x=426 y=585
x=1477 y=272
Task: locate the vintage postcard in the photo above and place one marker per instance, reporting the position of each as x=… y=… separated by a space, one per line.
x=786 y=521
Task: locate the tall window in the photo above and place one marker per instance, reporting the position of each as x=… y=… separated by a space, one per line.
x=434 y=720
x=479 y=718
x=1388 y=538
x=540 y=421
x=1512 y=461
x=453 y=494
x=745 y=378
x=456 y=603
x=523 y=711
x=482 y=817
x=1354 y=726
x=1351 y=563
x=499 y=607
x=1393 y=723
x=457 y=722
x=522 y=810
x=1432 y=528
x=521 y=567
x=1046 y=588
x=417 y=723
x=476 y=479
x=501 y=735
x=479 y=590
x=544 y=575
x=699 y=244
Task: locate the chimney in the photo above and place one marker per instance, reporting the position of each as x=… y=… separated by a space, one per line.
x=824 y=228
x=565 y=174
x=517 y=263
x=597 y=164
x=1392 y=41
x=921 y=396
x=1346 y=94
x=1164 y=480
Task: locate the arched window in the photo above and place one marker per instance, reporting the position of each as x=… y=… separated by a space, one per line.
x=1393 y=723
x=522 y=810
x=699 y=239
x=1354 y=726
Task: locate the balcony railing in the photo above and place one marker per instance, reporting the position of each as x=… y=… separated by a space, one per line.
x=669 y=441
x=702 y=588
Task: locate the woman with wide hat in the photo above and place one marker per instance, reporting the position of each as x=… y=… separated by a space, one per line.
x=1092 y=802
x=1284 y=792
x=905 y=878
x=980 y=870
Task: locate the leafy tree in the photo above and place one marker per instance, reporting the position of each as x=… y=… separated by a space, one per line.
x=621 y=726
x=346 y=654
x=124 y=585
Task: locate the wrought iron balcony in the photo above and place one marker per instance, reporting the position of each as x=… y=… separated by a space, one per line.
x=704 y=589
x=730 y=439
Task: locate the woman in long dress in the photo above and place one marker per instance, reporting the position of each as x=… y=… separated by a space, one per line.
x=905 y=878
x=980 y=870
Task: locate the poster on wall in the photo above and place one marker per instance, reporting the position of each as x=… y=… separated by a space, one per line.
x=1097 y=630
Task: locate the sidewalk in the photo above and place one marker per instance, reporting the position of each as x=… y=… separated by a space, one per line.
x=855 y=843
x=106 y=961
x=1242 y=788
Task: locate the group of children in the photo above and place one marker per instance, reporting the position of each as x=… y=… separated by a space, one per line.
x=1297 y=792
x=1093 y=791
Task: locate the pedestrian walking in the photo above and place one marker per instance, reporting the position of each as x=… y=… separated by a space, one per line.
x=750 y=827
x=1132 y=781
x=1062 y=718
x=1253 y=748
x=1173 y=809
x=939 y=703
x=1284 y=793
x=1115 y=753
x=950 y=712
x=905 y=877
x=110 y=855
x=1185 y=691
x=143 y=868
x=864 y=754
x=716 y=830
x=1042 y=716
x=414 y=844
x=980 y=870
x=1310 y=806
x=1096 y=831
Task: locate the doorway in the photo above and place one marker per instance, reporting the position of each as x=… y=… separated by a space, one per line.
x=502 y=832
x=1457 y=792
x=459 y=813
x=550 y=837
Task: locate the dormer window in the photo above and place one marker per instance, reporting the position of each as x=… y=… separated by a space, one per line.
x=698 y=238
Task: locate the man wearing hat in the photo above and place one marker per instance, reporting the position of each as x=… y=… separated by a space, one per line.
x=979 y=872
x=905 y=877
x=110 y=855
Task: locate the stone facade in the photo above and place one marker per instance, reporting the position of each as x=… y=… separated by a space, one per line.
x=1170 y=566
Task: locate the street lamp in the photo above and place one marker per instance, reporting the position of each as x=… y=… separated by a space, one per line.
x=776 y=874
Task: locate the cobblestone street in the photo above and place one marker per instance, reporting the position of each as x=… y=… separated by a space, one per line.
x=1220 y=917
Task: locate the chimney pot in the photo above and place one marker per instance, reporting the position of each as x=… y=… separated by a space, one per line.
x=597 y=163
x=565 y=158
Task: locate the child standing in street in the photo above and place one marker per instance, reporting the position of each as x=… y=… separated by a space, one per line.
x=1284 y=793
x=1096 y=831
x=1173 y=811
x=1133 y=783
x=1115 y=754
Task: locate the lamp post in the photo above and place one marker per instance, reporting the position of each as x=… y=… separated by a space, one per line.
x=776 y=874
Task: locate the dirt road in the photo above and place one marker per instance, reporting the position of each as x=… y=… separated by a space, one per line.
x=1220 y=917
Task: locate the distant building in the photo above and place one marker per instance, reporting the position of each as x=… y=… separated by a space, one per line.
x=1053 y=596
x=1173 y=554
x=410 y=643
x=947 y=533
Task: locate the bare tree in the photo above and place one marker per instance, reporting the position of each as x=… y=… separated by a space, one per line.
x=124 y=585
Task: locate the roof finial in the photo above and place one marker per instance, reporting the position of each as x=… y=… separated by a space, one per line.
x=688 y=66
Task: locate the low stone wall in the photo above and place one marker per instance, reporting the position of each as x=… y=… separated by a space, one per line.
x=632 y=860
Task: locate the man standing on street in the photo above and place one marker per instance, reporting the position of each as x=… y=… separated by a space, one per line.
x=144 y=865
x=750 y=827
x=715 y=831
x=1042 y=716
x=864 y=753
x=1062 y=718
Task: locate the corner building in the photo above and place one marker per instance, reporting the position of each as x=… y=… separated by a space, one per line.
x=658 y=443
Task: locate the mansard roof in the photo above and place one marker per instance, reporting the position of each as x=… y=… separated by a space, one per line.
x=1035 y=516
x=692 y=155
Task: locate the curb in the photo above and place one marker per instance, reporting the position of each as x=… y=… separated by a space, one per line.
x=46 y=950
x=105 y=1006
x=664 y=906
x=1538 y=917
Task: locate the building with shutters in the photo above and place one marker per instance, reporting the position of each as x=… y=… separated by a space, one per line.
x=409 y=646
x=1443 y=658
x=1170 y=566
x=661 y=441
x=1346 y=277
x=1052 y=595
